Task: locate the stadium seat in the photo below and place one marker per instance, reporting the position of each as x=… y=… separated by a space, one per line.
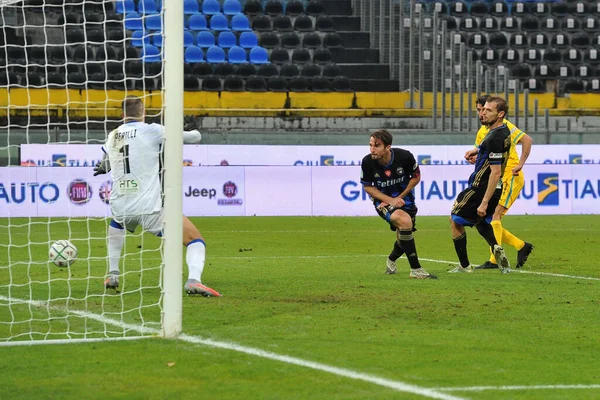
x=190 y=82
x=571 y=24
x=215 y=55
x=262 y=23
x=520 y=71
x=197 y=22
x=479 y=9
x=237 y=55
x=245 y=70
x=451 y=23
x=322 y=56
x=211 y=7
x=147 y=7
x=593 y=86
x=269 y=40
x=489 y=24
x=96 y=36
x=282 y=23
x=190 y=7
x=535 y=86
x=310 y=70
x=552 y=56
x=331 y=70
x=290 y=40
x=341 y=84
x=279 y=56
x=188 y=39
x=133 y=22
x=320 y=84
x=150 y=53
x=76 y=80
x=223 y=69
x=75 y=35
x=532 y=56
x=154 y=22
x=490 y=56
x=544 y=71
x=273 y=8
x=540 y=9
x=227 y=39
x=580 y=8
x=301 y=56
x=124 y=6
x=211 y=83
x=440 y=7
x=294 y=8
x=550 y=24
x=203 y=69
x=256 y=83
x=139 y=39
x=153 y=69
x=194 y=54
x=539 y=40
x=248 y=40
x=232 y=7
x=591 y=24
x=289 y=70
x=205 y=39
x=560 y=9
x=498 y=40
x=520 y=9
x=277 y=84
x=477 y=41
x=253 y=8
x=314 y=7
x=52 y=79
x=259 y=55
x=591 y=56
x=499 y=8
x=324 y=24
x=233 y=83
x=572 y=56
x=219 y=22
x=458 y=8
x=267 y=70
x=519 y=41
x=469 y=24
x=299 y=84
x=240 y=22
x=303 y=24
x=561 y=41
x=584 y=71
x=530 y=24
x=574 y=86
x=312 y=40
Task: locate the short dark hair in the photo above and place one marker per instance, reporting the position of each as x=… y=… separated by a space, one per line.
x=501 y=104
x=133 y=107
x=481 y=100
x=383 y=135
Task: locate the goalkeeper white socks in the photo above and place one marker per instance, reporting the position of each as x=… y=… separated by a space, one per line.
x=116 y=239
x=194 y=257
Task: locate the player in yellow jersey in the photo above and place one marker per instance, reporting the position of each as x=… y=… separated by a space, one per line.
x=512 y=184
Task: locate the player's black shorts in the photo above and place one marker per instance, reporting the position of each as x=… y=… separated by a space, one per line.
x=386 y=212
x=468 y=201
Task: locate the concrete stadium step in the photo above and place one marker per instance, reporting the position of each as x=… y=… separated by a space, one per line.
x=351 y=55
x=337 y=7
x=365 y=71
x=356 y=39
x=374 y=85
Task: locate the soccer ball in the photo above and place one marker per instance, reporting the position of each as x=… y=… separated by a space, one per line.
x=63 y=253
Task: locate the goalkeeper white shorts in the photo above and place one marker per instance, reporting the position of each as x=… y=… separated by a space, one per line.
x=152 y=223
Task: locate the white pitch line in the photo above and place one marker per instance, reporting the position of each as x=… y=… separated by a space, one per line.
x=396 y=385
x=536 y=387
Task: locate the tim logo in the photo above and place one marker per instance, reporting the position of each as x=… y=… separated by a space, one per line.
x=574 y=158
x=548 y=189
x=424 y=159
x=59 y=160
x=326 y=160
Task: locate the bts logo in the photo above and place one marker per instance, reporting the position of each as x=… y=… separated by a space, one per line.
x=424 y=159
x=548 y=189
x=59 y=160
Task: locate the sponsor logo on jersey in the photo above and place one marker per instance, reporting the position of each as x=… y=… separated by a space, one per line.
x=548 y=194
x=399 y=170
x=388 y=173
x=104 y=191
x=79 y=192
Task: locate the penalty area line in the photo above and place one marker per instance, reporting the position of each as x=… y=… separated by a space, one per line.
x=522 y=387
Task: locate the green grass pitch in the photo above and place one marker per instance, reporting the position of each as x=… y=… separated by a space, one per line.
x=313 y=289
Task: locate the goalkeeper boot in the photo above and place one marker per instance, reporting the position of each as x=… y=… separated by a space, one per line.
x=420 y=273
x=193 y=286
x=390 y=267
x=112 y=281
x=502 y=259
x=460 y=269
x=523 y=254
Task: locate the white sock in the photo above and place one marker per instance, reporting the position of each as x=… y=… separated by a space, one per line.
x=194 y=257
x=116 y=239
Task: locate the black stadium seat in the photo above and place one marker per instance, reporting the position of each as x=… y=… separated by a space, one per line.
x=320 y=84
x=279 y=56
x=289 y=70
x=267 y=70
x=245 y=70
x=268 y=40
x=532 y=56
x=294 y=8
x=211 y=83
x=322 y=56
x=233 y=83
x=331 y=70
x=324 y=24
x=252 y=7
x=519 y=41
x=299 y=84
x=273 y=8
x=277 y=84
x=282 y=23
x=290 y=40
x=301 y=56
x=311 y=70
x=332 y=40
x=311 y=40
x=261 y=23
x=544 y=71
x=256 y=83
x=314 y=7
x=341 y=84
x=303 y=24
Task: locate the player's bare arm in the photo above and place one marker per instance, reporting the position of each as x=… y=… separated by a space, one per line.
x=495 y=174
x=414 y=181
x=526 y=143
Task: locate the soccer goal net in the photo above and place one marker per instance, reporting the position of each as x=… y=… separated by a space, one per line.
x=65 y=68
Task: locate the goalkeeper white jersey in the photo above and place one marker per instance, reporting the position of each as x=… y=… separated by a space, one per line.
x=134 y=153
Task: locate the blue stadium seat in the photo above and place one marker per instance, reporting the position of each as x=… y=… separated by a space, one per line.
x=133 y=21
x=139 y=39
x=232 y=7
x=226 y=39
x=259 y=55
x=205 y=39
x=215 y=55
x=248 y=40
x=237 y=55
x=188 y=39
x=194 y=54
x=190 y=7
x=154 y=22
x=211 y=7
x=240 y=22
x=147 y=7
x=150 y=53
x=157 y=39
x=197 y=22
x=125 y=6
x=219 y=22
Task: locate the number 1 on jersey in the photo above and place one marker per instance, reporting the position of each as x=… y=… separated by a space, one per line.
x=125 y=151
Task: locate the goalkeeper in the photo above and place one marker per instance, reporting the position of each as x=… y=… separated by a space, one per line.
x=132 y=154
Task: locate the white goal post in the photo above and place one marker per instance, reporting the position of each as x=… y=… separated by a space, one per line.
x=65 y=68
